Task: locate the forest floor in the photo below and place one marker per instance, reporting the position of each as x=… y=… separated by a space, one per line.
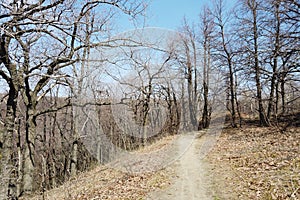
x=257 y=163
x=243 y=163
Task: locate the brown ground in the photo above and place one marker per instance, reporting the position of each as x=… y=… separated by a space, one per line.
x=247 y=163
x=257 y=163
x=191 y=180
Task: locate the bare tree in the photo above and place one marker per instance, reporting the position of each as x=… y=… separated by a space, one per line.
x=271 y=50
x=207 y=27
x=39 y=41
x=142 y=79
x=251 y=23
x=190 y=64
x=226 y=52
x=288 y=50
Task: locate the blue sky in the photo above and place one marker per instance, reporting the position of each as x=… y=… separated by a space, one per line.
x=169 y=13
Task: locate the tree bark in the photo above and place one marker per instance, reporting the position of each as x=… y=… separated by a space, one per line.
x=228 y=55
x=7 y=148
x=275 y=61
x=8 y=151
x=238 y=108
x=282 y=87
x=205 y=121
x=193 y=120
x=29 y=154
x=207 y=25
x=74 y=158
x=262 y=117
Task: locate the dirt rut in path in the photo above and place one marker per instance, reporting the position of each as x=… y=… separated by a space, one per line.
x=191 y=180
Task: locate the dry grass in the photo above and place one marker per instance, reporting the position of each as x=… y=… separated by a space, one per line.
x=247 y=163
x=257 y=163
x=107 y=183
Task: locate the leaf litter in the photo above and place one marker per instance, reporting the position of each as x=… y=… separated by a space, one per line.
x=245 y=163
x=258 y=163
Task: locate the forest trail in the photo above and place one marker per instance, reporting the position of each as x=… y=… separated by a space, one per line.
x=227 y=172
x=191 y=180
x=179 y=171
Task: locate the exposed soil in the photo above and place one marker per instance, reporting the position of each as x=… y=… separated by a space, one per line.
x=191 y=180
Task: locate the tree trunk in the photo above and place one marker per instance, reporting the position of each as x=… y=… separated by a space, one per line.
x=262 y=117
x=232 y=94
x=52 y=145
x=205 y=121
x=74 y=153
x=8 y=152
x=205 y=114
x=207 y=25
x=238 y=108
x=282 y=82
x=74 y=158
x=193 y=120
x=231 y=73
x=275 y=61
x=276 y=98
x=29 y=160
x=272 y=89
x=20 y=158
x=183 y=113
x=146 y=108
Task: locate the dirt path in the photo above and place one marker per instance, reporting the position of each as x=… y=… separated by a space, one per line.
x=191 y=179
x=180 y=156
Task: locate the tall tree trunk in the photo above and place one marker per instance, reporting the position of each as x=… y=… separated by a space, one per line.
x=275 y=61
x=272 y=89
x=183 y=106
x=232 y=94
x=52 y=144
x=74 y=158
x=238 y=108
x=8 y=152
x=83 y=69
x=282 y=83
x=193 y=120
x=205 y=114
x=146 y=109
x=205 y=121
x=29 y=154
x=262 y=117
x=74 y=153
x=20 y=158
x=207 y=26
x=276 y=97
x=178 y=111
x=228 y=56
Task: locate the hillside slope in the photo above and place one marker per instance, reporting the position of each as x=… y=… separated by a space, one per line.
x=247 y=163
